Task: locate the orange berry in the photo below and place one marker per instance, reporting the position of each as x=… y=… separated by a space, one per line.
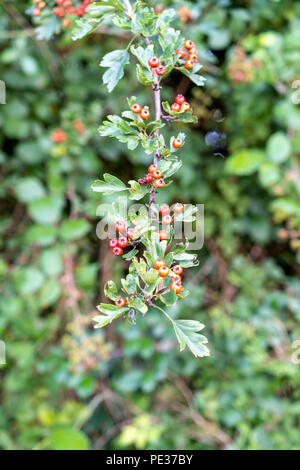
x=176 y=279
x=153 y=62
x=145 y=113
x=167 y=219
x=178 y=208
x=152 y=168
x=176 y=107
x=120 y=302
x=177 y=143
x=156 y=174
x=175 y=287
x=164 y=209
x=159 y=183
x=181 y=53
x=164 y=271
x=188 y=44
x=185 y=106
x=193 y=57
x=159 y=263
x=163 y=235
x=189 y=64
x=177 y=269
x=160 y=70
x=136 y=108
x=120 y=226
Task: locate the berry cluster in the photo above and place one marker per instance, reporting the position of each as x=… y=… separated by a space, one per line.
x=144 y=113
x=164 y=271
x=66 y=7
x=154 y=63
x=167 y=219
x=191 y=53
x=153 y=177
x=39 y=7
x=117 y=244
x=180 y=104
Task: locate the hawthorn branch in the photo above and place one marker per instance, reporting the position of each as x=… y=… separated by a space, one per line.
x=157 y=102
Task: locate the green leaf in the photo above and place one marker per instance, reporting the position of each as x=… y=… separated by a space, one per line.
x=111 y=312
x=187 y=260
x=199 y=80
x=169 y=298
x=245 y=162
x=29 y=189
x=51 y=262
x=144 y=76
x=46 y=210
x=46 y=30
x=138 y=191
x=110 y=290
x=119 y=128
x=278 y=147
x=111 y=184
x=128 y=256
x=138 y=304
x=66 y=438
x=85 y=26
x=129 y=284
x=74 y=229
x=115 y=61
x=187 y=335
x=41 y=235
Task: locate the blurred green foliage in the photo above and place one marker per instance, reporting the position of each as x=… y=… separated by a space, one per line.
x=66 y=386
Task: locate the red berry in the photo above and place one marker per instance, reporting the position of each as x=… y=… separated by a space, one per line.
x=148 y=178
x=113 y=242
x=167 y=219
x=188 y=44
x=164 y=209
x=176 y=107
x=120 y=302
x=177 y=143
x=145 y=113
x=153 y=62
x=159 y=183
x=181 y=53
x=193 y=57
x=160 y=70
x=176 y=279
x=178 y=208
x=156 y=174
x=159 y=263
x=152 y=168
x=163 y=271
x=120 y=226
x=136 y=108
x=185 y=106
x=193 y=50
x=175 y=287
x=189 y=64
x=130 y=232
x=177 y=269
x=122 y=242
x=36 y=12
x=117 y=251
x=180 y=99
x=163 y=235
